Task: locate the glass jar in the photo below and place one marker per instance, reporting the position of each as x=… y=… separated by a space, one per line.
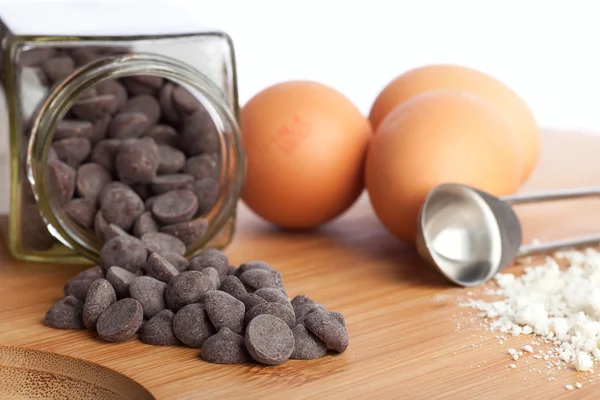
x=45 y=73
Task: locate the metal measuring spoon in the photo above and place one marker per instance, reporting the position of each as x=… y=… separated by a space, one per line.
x=470 y=235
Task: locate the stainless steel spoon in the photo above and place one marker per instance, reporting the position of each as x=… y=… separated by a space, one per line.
x=470 y=235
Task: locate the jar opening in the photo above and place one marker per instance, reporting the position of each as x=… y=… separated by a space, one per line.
x=135 y=143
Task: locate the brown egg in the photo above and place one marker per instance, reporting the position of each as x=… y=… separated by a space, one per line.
x=435 y=138
x=305 y=145
x=453 y=77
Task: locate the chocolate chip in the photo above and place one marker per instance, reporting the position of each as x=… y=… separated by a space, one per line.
x=192 y=326
x=58 y=68
x=141 y=328
x=128 y=125
x=120 y=279
x=159 y=268
x=188 y=232
x=78 y=288
x=72 y=151
x=94 y=108
x=169 y=182
x=120 y=321
x=112 y=231
x=158 y=331
x=247 y=266
x=202 y=166
x=36 y=55
x=258 y=279
x=187 y=288
x=225 y=347
x=99 y=297
x=65 y=314
x=175 y=206
x=199 y=134
x=269 y=340
x=125 y=252
x=144 y=104
x=303 y=305
x=165 y=97
x=121 y=206
x=90 y=273
x=306 y=345
x=164 y=134
x=145 y=224
x=83 y=55
x=213 y=275
x=88 y=93
x=225 y=311
x=328 y=327
x=106 y=191
x=170 y=160
x=116 y=89
x=91 y=179
x=251 y=300
x=157 y=242
x=34 y=230
x=184 y=101
x=176 y=260
x=143 y=84
x=210 y=258
x=52 y=156
x=100 y=129
x=137 y=161
x=105 y=152
x=281 y=311
x=100 y=227
x=73 y=128
x=207 y=193
x=82 y=212
x=273 y=295
x=233 y=286
x=150 y=293
x=150 y=202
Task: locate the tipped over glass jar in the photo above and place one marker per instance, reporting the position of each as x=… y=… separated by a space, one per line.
x=108 y=127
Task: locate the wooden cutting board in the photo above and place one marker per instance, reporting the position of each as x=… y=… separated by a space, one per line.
x=408 y=338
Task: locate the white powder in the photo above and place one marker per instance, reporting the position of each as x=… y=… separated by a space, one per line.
x=560 y=305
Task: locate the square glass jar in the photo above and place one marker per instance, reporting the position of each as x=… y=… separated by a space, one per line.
x=50 y=56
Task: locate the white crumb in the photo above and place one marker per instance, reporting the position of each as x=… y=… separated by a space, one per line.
x=569 y=387
x=528 y=348
x=583 y=362
x=578 y=385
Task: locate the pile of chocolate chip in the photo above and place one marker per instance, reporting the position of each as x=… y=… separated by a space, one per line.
x=234 y=315
x=139 y=153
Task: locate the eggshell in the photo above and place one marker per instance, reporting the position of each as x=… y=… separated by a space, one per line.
x=454 y=77
x=305 y=144
x=435 y=138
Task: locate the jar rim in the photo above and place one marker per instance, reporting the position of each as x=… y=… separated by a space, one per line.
x=61 y=99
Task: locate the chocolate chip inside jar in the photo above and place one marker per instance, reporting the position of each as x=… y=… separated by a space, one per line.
x=134 y=155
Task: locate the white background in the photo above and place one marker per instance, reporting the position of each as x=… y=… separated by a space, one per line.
x=547 y=51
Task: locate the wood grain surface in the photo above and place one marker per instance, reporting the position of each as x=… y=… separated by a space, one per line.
x=404 y=341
